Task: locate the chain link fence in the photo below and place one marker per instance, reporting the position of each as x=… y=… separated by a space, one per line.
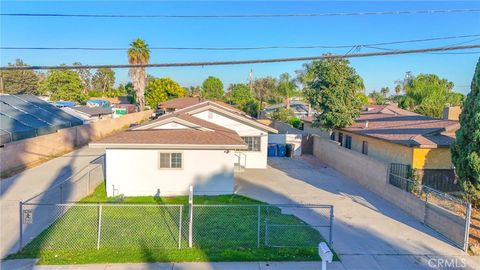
x=446 y=214
x=85 y=226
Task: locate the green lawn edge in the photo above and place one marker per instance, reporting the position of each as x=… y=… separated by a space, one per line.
x=145 y=254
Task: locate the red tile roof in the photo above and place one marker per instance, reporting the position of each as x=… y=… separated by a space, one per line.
x=390 y=123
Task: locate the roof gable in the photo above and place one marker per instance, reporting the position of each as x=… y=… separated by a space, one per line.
x=228 y=113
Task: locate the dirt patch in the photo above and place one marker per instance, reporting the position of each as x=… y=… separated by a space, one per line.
x=474 y=239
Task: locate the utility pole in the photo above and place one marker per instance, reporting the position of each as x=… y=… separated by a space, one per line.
x=2 y=90
x=250 y=77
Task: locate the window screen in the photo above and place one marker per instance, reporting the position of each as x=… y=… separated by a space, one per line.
x=365 y=147
x=253 y=143
x=176 y=160
x=170 y=160
x=332 y=136
x=348 y=142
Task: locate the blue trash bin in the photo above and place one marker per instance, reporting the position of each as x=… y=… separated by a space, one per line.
x=272 y=150
x=281 y=150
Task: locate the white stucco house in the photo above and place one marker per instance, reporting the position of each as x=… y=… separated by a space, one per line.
x=200 y=145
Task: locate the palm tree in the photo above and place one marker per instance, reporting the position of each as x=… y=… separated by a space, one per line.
x=139 y=54
x=384 y=91
x=286 y=88
x=398 y=89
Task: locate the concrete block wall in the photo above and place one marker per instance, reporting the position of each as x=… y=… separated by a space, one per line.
x=21 y=154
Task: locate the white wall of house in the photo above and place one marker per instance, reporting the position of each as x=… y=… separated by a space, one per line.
x=253 y=159
x=136 y=172
x=171 y=125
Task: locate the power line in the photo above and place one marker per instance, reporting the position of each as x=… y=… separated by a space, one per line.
x=330 y=14
x=248 y=48
x=252 y=61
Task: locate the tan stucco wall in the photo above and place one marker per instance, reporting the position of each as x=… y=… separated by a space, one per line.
x=381 y=150
x=308 y=129
x=24 y=153
x=436 y=158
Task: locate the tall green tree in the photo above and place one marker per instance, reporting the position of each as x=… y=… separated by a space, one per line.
x=103 y=79
x=385 y=91
x=287 y=87
x=65 y=85
x=20 y=81
x=398 y=89
x=378 y=97
x=331 y=88
x=239 y=95
x=466 y=148
x=86 y=77
x=138 y=53
x=195 y=91
x=162 y=89
x=212 y=88
x=427 y=94
x=263 y=88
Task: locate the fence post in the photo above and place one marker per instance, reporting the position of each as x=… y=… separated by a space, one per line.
x=61 y=193
x=99 y=225
x=467 y=226
x=258 y=226
x=20 y=208
x=88 y=181
x=427 y=193
x=331 y=226
x=180 y=228
x=190 y=224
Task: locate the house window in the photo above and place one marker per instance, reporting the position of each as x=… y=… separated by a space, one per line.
x=348 y=142
x=365 y=147
x=253 y=143
x=332 y=136
x=340 y=138
x=171 y=161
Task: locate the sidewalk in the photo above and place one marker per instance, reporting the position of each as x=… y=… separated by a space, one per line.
x=31 y=182
x=360 y=263
x=30 y=265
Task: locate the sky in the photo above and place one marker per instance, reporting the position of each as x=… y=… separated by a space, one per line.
x=377 y=71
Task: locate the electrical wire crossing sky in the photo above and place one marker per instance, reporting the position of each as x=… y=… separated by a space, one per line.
x=99 y=33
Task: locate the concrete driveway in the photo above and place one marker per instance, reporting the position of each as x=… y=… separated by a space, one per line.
x=369 y=232
x=29 y=183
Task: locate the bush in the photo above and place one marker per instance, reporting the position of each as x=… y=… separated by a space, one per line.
x=295 y=122
x=283 y=115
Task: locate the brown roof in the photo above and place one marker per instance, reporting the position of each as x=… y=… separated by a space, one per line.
x=215 y=135
x=201 y=134
x=390 y=123
x=169 y=137
x=180 y=103
x=114 y=100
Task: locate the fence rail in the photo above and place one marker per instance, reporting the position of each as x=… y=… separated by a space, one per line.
x=446 y=214
x=85 y=226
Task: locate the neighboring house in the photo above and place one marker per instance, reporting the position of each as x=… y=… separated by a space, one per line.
x=26 y=116
x=199 y=145
x=299 y=108
x=394 y=135
x=89 y=114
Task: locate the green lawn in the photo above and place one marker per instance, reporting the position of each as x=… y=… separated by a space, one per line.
x=153 y=233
